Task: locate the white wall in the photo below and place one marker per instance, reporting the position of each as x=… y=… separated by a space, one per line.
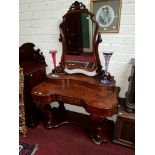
x=39 y=23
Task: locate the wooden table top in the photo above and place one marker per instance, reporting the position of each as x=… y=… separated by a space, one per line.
x=96 y=98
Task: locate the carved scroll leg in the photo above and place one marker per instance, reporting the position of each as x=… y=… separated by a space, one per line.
x=96 y=135
x=47 y=115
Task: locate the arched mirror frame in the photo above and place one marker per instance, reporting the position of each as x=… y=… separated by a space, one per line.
x=77 y=7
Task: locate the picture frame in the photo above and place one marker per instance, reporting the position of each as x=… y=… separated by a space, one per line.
x=107 y=14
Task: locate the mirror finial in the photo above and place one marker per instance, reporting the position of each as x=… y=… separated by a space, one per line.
x=77 y=6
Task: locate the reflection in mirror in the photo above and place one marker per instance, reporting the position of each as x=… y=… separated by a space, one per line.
x=79 y=32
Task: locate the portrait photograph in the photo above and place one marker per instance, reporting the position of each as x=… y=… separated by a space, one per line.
x=107 y=14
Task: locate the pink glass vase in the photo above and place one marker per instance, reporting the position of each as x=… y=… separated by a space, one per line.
x=53 y=54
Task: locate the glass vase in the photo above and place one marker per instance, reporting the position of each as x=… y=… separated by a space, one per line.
x=53 y=54
x=107 y=55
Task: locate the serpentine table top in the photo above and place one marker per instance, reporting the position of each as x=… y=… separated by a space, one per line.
x=80 y=90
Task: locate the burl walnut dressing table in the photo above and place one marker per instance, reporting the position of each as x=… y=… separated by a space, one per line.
x=80 y=39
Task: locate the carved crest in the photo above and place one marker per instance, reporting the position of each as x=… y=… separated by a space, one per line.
x=77 y=6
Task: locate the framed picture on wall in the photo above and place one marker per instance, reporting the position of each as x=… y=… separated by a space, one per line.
x=107 y=14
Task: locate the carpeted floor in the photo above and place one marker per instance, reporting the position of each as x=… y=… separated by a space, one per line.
x=70 y=140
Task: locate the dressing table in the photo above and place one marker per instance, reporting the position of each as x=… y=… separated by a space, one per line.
x=80 y=39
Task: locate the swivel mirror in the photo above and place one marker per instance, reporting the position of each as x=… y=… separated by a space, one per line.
x=78 y=34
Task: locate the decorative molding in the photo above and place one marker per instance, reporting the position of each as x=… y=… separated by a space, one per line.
x=22 y=125
x=28 y=53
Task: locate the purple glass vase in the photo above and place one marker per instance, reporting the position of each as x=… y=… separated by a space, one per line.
x=107 y=56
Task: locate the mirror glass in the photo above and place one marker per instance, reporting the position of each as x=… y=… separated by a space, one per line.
x=79 y=33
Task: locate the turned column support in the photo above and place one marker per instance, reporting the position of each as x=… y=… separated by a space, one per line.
x=96 y=136
x=61 y=111
x=61 y=106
